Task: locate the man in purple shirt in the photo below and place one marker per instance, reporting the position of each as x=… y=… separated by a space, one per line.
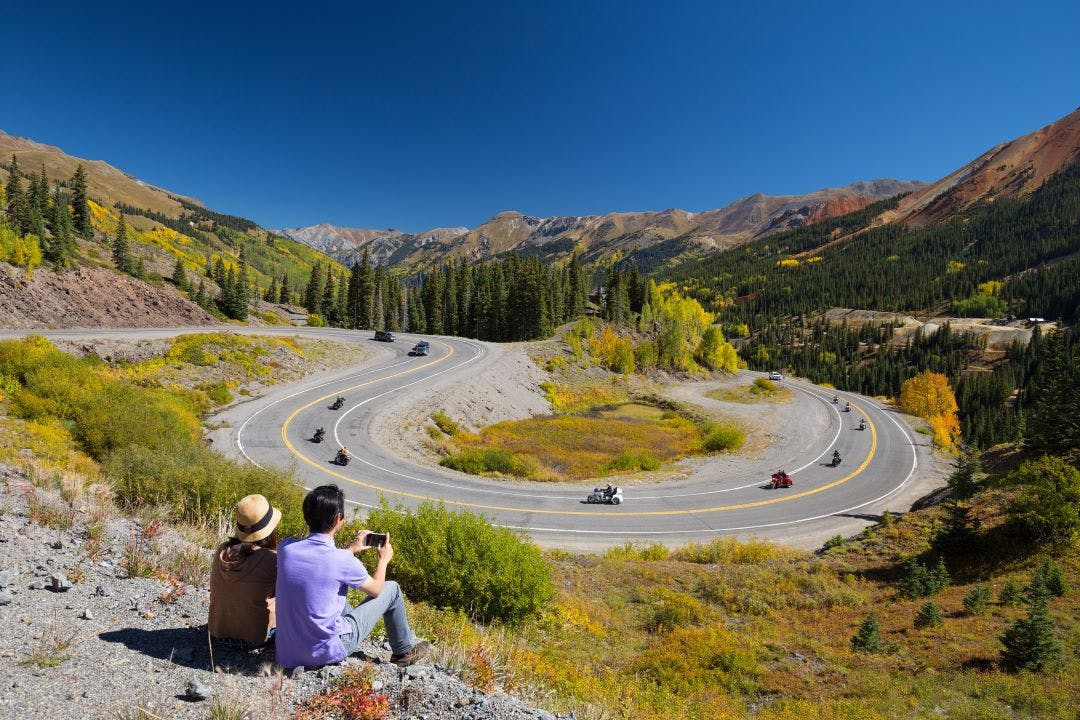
x=315 y=625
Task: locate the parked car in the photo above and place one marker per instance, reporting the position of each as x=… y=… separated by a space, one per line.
x=775 y=375
x=420 y=348
x=384 y=336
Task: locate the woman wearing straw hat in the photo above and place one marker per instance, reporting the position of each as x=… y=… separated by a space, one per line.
x=243 y=575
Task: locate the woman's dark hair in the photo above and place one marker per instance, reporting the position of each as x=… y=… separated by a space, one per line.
x=238 y=548
x=322 y=507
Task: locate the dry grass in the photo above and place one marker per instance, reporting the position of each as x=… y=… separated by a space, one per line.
x=51 y=650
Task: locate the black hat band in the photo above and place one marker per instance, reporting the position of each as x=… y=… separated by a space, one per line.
x=248 y=529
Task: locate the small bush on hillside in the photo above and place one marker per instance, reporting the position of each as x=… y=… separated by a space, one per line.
x=628 y=461
x=763 y=386
x=478 y=461
x=632 y=552
x=462 y=561
x=674 y=610
x=836 y=541
x=315 y=320
x=1030 y=643
x=719 y=437
x=929 y=615
x=1011 y=593
x=1049 y=576
x=1049 y=505
x=977 y=600
x=867 y=638
x=729 y=551
x=690 y=659
x=922 y=581
x=645 y=356
x=218 y=393
x=444 y=423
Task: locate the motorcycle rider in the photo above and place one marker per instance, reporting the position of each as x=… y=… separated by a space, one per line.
x=836 y=399
x=835 y=457
x=609 y=491
x=343 y=456
x=862 y=423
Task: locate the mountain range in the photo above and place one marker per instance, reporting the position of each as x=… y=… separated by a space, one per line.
x=633 y=235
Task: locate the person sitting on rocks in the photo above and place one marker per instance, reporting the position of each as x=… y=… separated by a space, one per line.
x=243 y=575
x=316 y=625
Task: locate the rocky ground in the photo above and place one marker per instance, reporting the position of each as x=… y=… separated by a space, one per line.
x=91 y=297
x=81 y=638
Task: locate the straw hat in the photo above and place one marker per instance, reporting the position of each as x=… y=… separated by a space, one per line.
x=255 y=518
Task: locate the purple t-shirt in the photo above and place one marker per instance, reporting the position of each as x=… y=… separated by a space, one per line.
x=312 y=578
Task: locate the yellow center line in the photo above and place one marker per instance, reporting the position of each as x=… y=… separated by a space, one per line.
x=480 y=506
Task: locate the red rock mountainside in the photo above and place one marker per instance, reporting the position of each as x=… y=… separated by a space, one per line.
x=1017 y=167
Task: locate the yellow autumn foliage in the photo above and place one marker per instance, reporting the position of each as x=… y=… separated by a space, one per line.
x=928 y=395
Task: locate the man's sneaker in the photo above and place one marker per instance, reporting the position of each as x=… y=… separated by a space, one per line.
x=420 y=650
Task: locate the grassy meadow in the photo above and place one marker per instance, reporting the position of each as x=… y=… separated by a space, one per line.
x=600 y=441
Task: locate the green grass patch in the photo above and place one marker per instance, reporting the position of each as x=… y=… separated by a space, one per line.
x=761 y=390
x=444 y=423
x=486 y=461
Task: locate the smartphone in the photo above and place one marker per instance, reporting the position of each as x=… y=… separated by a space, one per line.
x=375 y=540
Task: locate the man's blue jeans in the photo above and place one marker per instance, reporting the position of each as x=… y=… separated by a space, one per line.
x=390 y=606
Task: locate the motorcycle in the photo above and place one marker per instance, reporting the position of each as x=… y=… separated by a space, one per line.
x=338 y=403
x=318 y=436
x=847 y=407
x=835 y=458
x=862 y=424
x=341 y=458
x=781 y=480
x=606 y=495
x=835 y=399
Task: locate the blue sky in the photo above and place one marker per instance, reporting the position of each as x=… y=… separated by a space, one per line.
x=416 y=114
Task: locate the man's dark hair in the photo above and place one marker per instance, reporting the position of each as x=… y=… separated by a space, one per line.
x=322 y=507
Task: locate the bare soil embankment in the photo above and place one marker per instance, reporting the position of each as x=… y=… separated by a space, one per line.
x=91 y=297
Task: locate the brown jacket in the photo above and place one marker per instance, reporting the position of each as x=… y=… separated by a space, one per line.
x=242 y=594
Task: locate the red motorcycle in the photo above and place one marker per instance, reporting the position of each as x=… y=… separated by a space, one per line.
x=781 y=480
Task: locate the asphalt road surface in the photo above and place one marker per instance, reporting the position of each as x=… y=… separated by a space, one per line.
x=880 y=464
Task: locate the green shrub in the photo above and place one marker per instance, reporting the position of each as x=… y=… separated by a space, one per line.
x=1050 y=577
x=720 y=437
x=763 y=386
x=929 y=615
x=218 y=393
x=462 y=561
x=627 y=461
x=729 y=551
x=1030 y=643
x=1049 y=505
x=478 y=461
x=673 y=610
x=444 y=423
x=922 y=582
x=1011 y=593
x=977 y=600
x=632 y=552
x=645 y=356
x=836 y=541
x=192 y=482
x=867 y=638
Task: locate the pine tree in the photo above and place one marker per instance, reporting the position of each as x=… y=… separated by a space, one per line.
x=18 y=210
x=80 y=204
x=868 y=637
x=326 y=303
x=1030 y=643
x=179 y=276
x=1011 y=593
x=366 y=293
x=313 y=291
x=271 y=294
x=241 y=296
x=59 y=248
x=200 y=294
x=284 y=292
x=976 y=600
x=929 y=615
x=121 y=253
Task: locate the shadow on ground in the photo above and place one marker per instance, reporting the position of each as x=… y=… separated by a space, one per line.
x=188 y=647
